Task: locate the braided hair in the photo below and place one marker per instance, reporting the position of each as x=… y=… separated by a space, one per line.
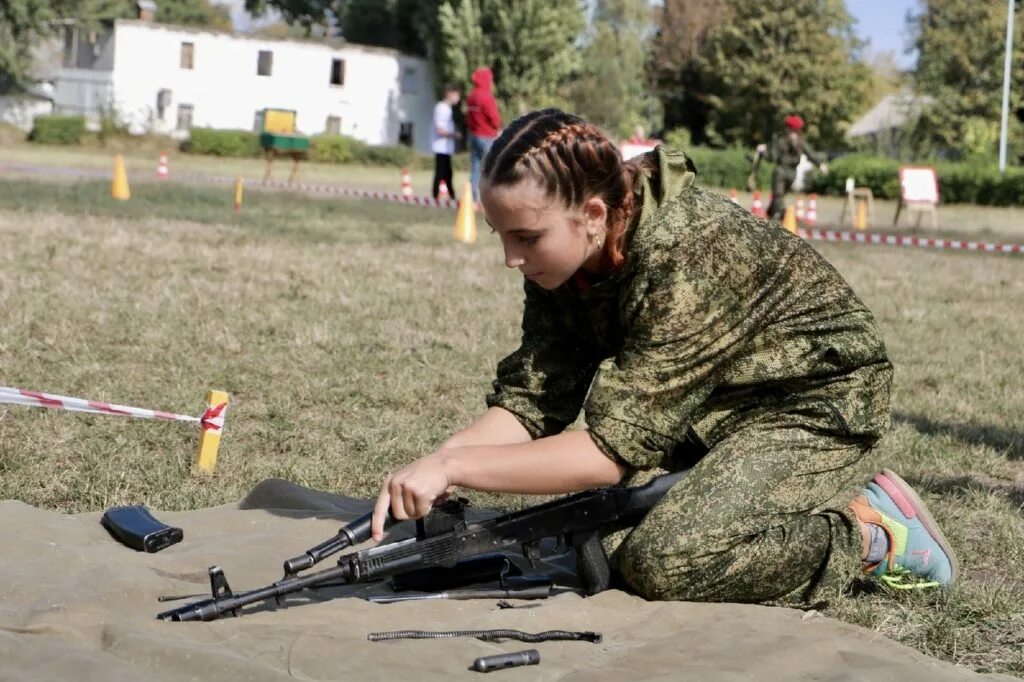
x=573 y=161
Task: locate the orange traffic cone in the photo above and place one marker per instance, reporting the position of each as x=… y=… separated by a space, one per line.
x=119 y=189
x=812 y=211
x=861 y=221
x=789 y=220
x=757 y=208
x=406 y=183
x=465 y=219
x=800 y=208
x=734 y=196
x=162 y=171
x=442 y=191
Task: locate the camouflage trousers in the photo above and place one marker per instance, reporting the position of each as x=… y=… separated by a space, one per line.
x=761 y=517
x=782 y=179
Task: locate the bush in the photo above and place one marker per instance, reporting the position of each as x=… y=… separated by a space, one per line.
x=726 y=168
x=959 y=183
x=335 y=149
x=58 y=129
x=385 y=155
x=223 y=142
x=679 y=138
x=880 y=174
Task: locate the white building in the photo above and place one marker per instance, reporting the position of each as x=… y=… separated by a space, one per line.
x=168 y=79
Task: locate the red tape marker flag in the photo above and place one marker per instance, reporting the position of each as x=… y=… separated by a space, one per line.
x=211 y=419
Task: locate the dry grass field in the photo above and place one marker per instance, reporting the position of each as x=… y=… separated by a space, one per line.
x=353 y=336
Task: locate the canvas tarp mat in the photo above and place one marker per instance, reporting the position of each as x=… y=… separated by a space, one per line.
x=76 y=605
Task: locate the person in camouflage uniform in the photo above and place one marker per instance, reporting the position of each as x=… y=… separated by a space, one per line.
x=785 y=153
x=693 y=335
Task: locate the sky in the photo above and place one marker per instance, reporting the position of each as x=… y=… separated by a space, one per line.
x=882 y=22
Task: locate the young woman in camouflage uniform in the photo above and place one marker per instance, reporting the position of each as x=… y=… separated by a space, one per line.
x=690 y=334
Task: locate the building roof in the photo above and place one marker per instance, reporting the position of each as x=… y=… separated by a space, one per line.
x=893 y=111
x=335 y=43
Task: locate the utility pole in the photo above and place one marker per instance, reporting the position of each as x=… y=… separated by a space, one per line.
x=1006 y=85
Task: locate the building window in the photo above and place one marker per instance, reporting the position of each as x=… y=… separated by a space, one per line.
x=265 y=63
x=409 y=80
x=337 y=72
x=333 y=126
x=163 y=100
x=187 y=55
x=184 y=117
x=405 y=133
x=70 y=46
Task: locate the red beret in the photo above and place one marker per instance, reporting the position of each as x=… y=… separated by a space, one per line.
x=794 y=122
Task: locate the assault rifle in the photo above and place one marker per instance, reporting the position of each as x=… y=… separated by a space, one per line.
x=444 y=539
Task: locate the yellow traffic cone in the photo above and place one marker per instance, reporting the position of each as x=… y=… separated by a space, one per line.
x=120 y=189
x=789 y=220
x=465 y=219
x=861 y=221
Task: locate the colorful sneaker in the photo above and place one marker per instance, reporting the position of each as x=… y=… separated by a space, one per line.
x=919 y=556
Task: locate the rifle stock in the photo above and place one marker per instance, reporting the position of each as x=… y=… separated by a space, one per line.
x=576 y=519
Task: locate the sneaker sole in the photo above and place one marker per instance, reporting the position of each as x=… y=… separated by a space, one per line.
x=926 y=519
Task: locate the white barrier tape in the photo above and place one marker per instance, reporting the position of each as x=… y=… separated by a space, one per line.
x=919 y=242
x=811 y=234
x=392 y=197
x=212 y=418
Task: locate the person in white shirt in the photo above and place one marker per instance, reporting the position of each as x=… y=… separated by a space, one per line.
x=443 y=139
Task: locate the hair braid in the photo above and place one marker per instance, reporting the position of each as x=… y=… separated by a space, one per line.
x=573 y=161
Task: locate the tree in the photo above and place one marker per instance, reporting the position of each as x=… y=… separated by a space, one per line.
x=193 y=13
x=742 y=66
x=886 y=77
x=767 y=59
x=369 y=22
x=683 y=27
x=406 y=25
x=529 y=44
x=961 y=45
x=464 y=46
x=26 y=23
x=305 y=13
x=612 y=88
x=417 y=25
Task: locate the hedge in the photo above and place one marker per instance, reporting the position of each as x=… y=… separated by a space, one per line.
x=722 y=168
x=726 y=168
x=57 y=129
x=959 y=183
x=223 y=142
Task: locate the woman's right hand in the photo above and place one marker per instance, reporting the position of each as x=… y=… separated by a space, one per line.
x=411 y=492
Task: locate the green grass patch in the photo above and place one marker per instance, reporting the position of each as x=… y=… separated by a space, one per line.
x=354 y=336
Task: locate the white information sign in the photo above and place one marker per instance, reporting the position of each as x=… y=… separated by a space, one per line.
x=919 y=185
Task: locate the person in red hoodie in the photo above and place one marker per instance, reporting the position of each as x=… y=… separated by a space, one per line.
x=482 y=121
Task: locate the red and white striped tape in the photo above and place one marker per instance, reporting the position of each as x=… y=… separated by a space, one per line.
x=366 y=194
x=812 y=234
x=898 y=240
x=211 y=420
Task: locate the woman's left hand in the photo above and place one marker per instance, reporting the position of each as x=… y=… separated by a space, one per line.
x=411 y=492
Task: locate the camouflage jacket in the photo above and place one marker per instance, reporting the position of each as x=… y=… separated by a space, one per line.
x=716 y=318
x=787 y=148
